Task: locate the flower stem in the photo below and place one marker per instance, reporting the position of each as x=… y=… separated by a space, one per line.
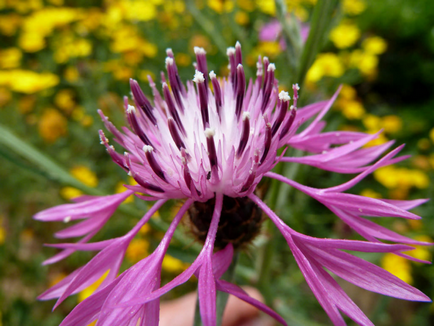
x=222 y=297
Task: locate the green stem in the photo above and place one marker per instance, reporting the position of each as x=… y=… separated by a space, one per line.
x=319 y=27
x=221 y=297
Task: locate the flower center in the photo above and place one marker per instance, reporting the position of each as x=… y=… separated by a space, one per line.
x=240 y=221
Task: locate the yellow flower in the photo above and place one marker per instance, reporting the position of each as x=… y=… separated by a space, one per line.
x=25 y=81
x=270 y=49
x=2 y=235
x=366 y=62
x=85 y=175
x=326 y=64
x=421 y=252
x=353 y=7
x=370 y=193
x=344 y=35
x=87 y=292
x=247 y=5
x=374 y=45
x=423 y=144
x=431 y=135
x=9 y=24
x=70 y=193
x=241 y=18
x=137 y=250
x=52 y=125
x=372 y=122
x=5 y=96
x=392 y=177
x=139 y=10
x=353 y=110
x=398 y=266
x=381 y=139
x=71 y=74
x=173 y=265
x=221 y=6
x=347 y=92
x=267 y=6
x=64 y=99
x=431 y=160
x=10 y=58
x=391 y=123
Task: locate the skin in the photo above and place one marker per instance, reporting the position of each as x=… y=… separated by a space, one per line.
x=180 y=312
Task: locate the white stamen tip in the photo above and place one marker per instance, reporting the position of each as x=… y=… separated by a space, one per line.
x=292 y=107
x=169 y=61
x=230 y=51
x=246 y=115
x=284 y=96
x=169 y=51
x=148 y=148
x=209 y=132
x=198 y=77
x=297 y=87
x=67 y=219
x=240 y=66
x=237 y=45
x=198 y=50
x=131 y=109
x=212 y=74
x=271 y=67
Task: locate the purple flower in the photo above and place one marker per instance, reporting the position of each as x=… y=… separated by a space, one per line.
x=211 y=148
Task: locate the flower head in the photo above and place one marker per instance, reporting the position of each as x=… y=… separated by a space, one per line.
x=210 y=146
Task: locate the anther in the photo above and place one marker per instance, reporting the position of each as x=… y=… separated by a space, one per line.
x=217 y=93
x=267 y=141
x=201 y=60
x=238 y=54
x=132 y=119
x=171 y=107
x=175 y=81
x=232 y=65
x=284 y=99
x=245 y=134
x=268 y=85
x=287 y=126
x=212 y=154
x=240 y=90
x=203 y=97
x=174 y=133
x=152 y=162
x=142 y=102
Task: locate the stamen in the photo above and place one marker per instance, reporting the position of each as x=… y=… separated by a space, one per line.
x=283 y=107
x=172 y=109
x=268 y=85
x=217 y=93
x=132 y=120
x=259 y=71
x=145 y=184
x=203 y=97
x=252 y=173
x=240 y=90
x=266 y=63
x=245 y=134
x=212 y=154
x=169 y=53
x=201 y=60
x=238 y=54
x=175 y=82
x=116 y=157
x=267 y=141
x=287 y=126
x=232 y=65
x=152 y=162
x=174 y=133
x=142 y=102
x=295 y=88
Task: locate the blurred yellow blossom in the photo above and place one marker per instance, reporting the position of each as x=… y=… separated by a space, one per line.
x=25 y=81
x=345 y=35
x=431 y=160
x=366 y=62
x=87 y=292
x=52 y=125
x=71 y=74
x=326 y=64
x=220 y=6
x=431 y=135
x=391 y=123
x=398 y=266
x=145 y=229
x=182 y=59
x=9 y=24
x=247 y=5
x=85 y=175
x=64 y=99
x=241 y=18
x=392 y=177
x=5 y=96
x=270 y=49
x=421 y=252
x=353 y=110
x=10 y=58
x=374 y=45
x=347 y=92
x=372 y=122
x=173 y=265
x=423 y=144
x=70 y=192
x=2 y=235
x=420 y=162
x=353 y=7
x=381 y=139
x=26 y=103
x=139 y=10
x=137 y=250
x=370 y=193
x=266 y=6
